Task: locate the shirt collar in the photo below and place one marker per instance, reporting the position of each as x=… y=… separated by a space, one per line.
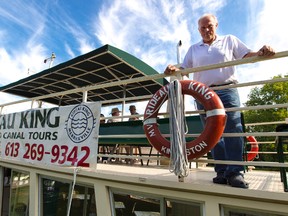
x=218 y=38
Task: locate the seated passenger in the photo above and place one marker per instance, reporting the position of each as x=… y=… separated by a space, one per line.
x=115 y=112
x=132 y=110
x=102 y=120
x=129 y=149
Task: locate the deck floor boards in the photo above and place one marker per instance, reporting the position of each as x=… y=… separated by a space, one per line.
x=257 y=179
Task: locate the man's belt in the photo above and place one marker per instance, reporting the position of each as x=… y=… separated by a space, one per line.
x=222 y=84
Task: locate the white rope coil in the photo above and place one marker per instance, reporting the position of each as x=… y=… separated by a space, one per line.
x=178 y=158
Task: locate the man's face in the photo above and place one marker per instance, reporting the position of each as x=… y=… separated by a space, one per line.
x=116 y=113
x=207 y=27
x=132 y=110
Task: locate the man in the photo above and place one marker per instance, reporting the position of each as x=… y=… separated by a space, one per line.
x=102 y=120
x=129 y=150
x=132 y=110
x=214 y=49
x=115 y=112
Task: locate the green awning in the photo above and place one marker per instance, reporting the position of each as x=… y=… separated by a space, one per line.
x=104 y=65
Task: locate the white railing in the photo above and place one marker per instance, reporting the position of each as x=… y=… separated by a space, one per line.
x=84 y=90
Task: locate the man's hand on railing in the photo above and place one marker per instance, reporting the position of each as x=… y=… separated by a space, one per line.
x=265 y=51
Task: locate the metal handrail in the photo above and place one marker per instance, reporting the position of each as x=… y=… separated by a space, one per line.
x=156 y=76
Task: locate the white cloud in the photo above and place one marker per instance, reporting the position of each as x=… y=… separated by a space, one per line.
x=16 y=65
x=13 y=11
x=17 y=62
x=208 y=6
x=78 y=34
x=85 y=46
x=69 y=51
x=28 y=31
x=266 y=27
x=150 y=30
x=145 y=29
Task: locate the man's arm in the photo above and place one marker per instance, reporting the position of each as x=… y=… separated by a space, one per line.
x=264 y=51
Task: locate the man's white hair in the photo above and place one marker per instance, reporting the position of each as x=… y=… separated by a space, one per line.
x=208 y=15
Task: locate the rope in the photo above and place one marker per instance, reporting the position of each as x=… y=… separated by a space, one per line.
x=76 y=170
x=178 y=157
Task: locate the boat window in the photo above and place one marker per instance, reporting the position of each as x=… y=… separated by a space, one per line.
x=176 y=207
x=55 y=199
x=131 y=205
x=83 y=202
x=19 y=194
x=6 y=191
x=237 y=211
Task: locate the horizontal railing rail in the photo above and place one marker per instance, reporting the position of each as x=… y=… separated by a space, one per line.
x=271 y=134
x=156 y=76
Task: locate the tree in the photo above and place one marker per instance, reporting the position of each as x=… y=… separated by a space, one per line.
x=269 y=94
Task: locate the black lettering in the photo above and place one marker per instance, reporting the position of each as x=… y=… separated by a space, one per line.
x=54 y=135
x=39 y=117
x=23 y=120
x=11 y=121
x=3 y=123
x=56 y=120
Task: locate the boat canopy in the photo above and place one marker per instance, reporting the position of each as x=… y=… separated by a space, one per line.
x=100 y=66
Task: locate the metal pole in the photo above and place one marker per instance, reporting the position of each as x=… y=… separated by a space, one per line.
x=84 y=97
x=179 y=77
x=53 y=56
x=124 y=97
x=178 y=52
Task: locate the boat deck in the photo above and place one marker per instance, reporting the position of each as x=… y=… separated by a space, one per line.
x=258 y=180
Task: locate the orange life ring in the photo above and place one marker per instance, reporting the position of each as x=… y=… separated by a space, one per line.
x=254 y=148
x=213 y=129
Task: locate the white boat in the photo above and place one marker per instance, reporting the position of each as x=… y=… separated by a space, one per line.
x=50 y=164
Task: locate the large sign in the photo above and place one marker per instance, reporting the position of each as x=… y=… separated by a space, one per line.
x=66 y=136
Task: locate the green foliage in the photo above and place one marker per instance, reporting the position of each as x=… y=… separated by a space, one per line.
x=269 y=94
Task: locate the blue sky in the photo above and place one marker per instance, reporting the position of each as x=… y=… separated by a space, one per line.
x=32 y=29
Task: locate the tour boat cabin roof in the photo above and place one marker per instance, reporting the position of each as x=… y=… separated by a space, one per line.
x=100 y=66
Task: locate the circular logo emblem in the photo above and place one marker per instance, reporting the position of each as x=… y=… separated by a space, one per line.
x=80 y=123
